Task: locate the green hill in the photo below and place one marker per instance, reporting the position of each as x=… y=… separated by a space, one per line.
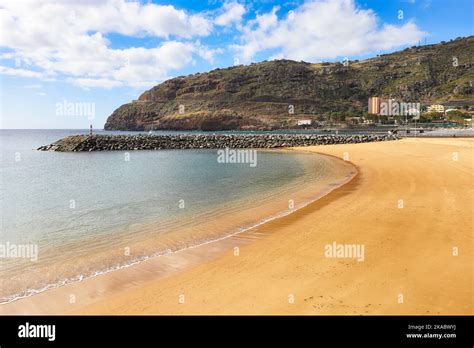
x=262 y=96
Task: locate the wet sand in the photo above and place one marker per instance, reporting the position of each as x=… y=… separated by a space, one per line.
x=198 y=240
x=410 y=206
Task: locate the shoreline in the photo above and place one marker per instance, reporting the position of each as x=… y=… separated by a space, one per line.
x=215 y=246
x=409 y=250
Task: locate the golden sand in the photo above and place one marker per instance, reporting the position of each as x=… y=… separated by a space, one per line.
x=411 y=207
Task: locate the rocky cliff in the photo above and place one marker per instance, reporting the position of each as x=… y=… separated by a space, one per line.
x=275 y=94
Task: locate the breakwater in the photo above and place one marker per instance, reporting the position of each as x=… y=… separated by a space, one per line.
x=81 y=143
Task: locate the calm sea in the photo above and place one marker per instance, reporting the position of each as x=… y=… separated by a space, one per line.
x=89 y=213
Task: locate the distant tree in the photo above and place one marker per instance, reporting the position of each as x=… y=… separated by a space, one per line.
x=433 y=116
x=425 y=118
x=352 y=120
x=372 y=117
x=401 y=119
x=454 y=114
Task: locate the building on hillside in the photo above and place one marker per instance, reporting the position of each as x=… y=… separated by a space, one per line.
x=435 y=108
x=379 y=106
x=374 y=105
x=304 y=122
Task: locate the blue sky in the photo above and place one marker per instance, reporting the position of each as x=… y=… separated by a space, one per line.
x=104 y=53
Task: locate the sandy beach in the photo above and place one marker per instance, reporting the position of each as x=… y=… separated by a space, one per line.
x=410 y=207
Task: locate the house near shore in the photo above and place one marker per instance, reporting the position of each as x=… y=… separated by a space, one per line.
x=435 y=108
x=304 y=122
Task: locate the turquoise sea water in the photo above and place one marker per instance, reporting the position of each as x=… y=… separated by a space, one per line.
x=85 y=211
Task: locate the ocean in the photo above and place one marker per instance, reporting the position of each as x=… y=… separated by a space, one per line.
x=66 y=217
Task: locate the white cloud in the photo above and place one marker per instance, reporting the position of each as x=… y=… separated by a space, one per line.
x=322 y=29
x=33 y=86
x=232 y=13
x=103 y=83
x=205 y=52
x=19 y=72
x=70 y=39
x=39 y=23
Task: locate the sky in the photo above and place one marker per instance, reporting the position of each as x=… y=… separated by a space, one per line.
x=68 y=64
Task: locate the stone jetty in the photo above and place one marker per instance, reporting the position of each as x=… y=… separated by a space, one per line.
x=84 y=143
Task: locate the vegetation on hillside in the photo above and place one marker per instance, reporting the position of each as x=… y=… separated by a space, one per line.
x=275 y=94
